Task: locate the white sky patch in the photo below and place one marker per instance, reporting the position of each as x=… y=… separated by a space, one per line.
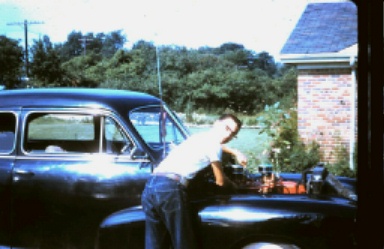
x=259 y=25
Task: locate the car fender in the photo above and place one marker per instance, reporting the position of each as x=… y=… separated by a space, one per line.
x=234 y=221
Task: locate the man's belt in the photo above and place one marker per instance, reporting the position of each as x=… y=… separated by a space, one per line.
x=176 y=177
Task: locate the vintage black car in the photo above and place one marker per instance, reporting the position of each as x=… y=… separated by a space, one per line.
x=73 y=164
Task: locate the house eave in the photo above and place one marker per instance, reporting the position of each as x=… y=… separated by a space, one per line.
x=320 y=61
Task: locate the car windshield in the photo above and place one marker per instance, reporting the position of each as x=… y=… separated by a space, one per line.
x=158 y=127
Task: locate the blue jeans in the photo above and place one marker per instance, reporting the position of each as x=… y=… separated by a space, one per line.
x=168 y=215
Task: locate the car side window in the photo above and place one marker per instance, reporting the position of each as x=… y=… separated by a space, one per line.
x=61 y=133
x=55 y=133
x=7 y=132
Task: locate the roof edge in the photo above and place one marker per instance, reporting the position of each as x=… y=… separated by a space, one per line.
x=322 y=60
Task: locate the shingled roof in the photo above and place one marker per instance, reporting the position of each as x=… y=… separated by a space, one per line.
x=324 y=28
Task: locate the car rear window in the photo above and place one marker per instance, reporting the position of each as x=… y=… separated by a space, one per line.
x=61 y=132
x=61 y=127
x=7 y=132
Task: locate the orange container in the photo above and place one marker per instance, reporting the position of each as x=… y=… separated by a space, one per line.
x=291 y=187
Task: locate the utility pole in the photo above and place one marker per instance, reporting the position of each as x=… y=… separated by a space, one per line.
x=26 y=23
x=84 y=40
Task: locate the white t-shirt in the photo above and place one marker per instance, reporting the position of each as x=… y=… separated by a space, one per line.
x=191 y=156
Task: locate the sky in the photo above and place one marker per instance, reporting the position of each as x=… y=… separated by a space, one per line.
x=259 y=25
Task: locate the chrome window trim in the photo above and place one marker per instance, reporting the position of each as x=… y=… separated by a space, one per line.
x=78 y=157
x=27 y=111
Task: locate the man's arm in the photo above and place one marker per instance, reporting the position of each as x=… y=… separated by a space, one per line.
x=240 y=157
x=220 y=177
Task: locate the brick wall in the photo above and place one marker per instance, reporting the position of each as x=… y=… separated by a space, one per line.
x=325 y=109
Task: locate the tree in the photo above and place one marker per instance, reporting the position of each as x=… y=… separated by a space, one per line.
x=266 y=62
x=78 y=44
x=112 y=42
x=45 y=65
x=241 y=58
x=72 y=47
x=11 y=62
x=230 y=46
x=77 y=68
x=147 y=51
x=92 y=43
x=284 y=87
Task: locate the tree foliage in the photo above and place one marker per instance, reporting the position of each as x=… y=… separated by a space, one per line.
x=11 y=62
x=228 y=77
x=78 y=44
x=46 y=65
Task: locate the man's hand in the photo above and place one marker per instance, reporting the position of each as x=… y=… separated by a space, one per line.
x=241 y=158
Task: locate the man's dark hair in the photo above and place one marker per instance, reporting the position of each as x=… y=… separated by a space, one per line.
x=233 y=117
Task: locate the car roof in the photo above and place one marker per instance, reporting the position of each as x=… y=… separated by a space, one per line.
x=76 y=97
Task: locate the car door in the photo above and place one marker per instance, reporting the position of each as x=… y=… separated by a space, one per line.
x=8 y=128
x=75 y=168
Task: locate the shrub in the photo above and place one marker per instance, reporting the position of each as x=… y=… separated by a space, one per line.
x=341 y=167
x=286 y=151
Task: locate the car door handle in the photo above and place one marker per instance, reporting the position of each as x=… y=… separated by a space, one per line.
x=24 y=172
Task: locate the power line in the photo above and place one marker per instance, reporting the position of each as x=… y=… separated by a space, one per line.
x=26 y=23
